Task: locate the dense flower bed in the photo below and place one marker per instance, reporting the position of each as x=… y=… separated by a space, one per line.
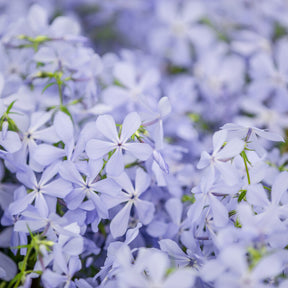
x=142 y=143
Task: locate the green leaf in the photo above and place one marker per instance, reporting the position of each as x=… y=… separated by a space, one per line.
x=20 y=265
x=232 y=212
x=188 y=198
x=12 y=125
x=47 y=86
x=242 y=195
x=237 y=224
x=66 y=111
x=10 y=106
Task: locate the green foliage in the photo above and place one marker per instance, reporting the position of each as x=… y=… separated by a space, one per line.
x=188 y=198
x=33 y=253
x=6 y=120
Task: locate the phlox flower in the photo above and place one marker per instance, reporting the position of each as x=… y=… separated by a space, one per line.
x=97 y=149
x=220 y=158
x=131 y=197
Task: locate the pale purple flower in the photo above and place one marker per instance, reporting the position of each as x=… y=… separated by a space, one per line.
x=88 y=187
x=220 y=158
x=44 y=190
x=97 y=149
x=131 y=197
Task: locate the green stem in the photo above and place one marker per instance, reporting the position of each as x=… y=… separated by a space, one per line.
x=60 y=92
x=24 y=264
x=244 y=156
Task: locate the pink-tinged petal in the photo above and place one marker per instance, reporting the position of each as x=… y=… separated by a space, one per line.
x=96 y=149
x=20 y=205
x=142 y=181
x=145 y=211
x=47 y=154
x=58 y=188
x=279 y=186
x=69 y=172
x=64 y=126
x=219 y=138
x=115 y=165
x=141 y=151
x=119 y=223
x=125 y=74
x=11 y=143
x=107 y=126
x=130 y=125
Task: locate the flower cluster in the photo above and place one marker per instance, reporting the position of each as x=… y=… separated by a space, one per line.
x=142 y=144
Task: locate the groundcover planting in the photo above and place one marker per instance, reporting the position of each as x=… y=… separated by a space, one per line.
x=143 y=143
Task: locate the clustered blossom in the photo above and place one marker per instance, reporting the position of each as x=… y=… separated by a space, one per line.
x=143 y=144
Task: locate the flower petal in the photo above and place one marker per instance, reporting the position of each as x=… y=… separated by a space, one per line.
x=107 y=126
x=130 y=125
x=115 y=165
x=96 y=149
x=141 y=151
x=119 y=223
